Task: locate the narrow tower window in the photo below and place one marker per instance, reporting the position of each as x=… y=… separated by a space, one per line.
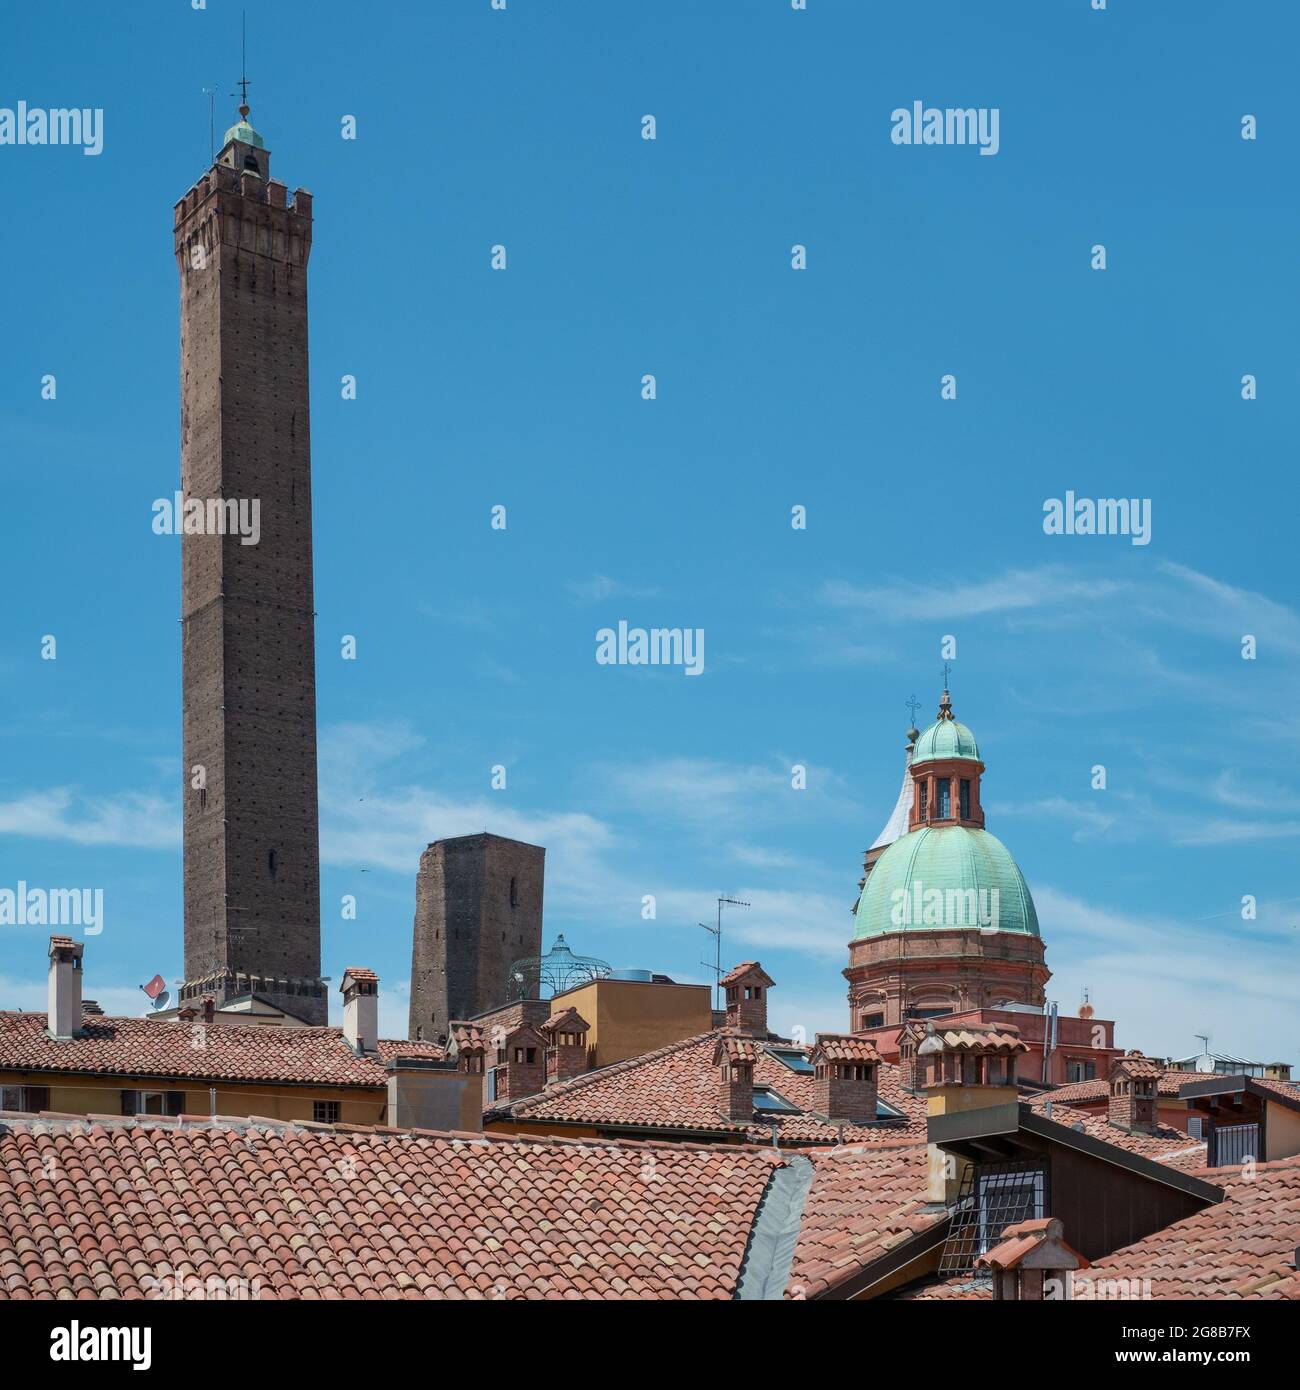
x=945 y=798
x=965 y=798
x=514 y=892
x=925 y=799
x=273 y=862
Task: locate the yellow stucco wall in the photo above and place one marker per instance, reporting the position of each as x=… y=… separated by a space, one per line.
x=629 y=1017
x=1281 y=1131
x=101 y=1095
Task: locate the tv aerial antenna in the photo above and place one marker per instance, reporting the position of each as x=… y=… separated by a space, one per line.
x=716 y=933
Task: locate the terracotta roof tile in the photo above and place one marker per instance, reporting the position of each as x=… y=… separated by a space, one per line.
x=843 y=1047
x=676 y=1088
x=198 y=1051
x=1167 y=1145
x=738 y=972
x=863 y=1201
x=132 y=1209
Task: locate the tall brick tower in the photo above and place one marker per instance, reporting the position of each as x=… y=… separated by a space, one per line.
x=252 y=857
x=478 y=907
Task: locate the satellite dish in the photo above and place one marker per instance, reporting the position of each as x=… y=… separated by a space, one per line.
x=162 y=1000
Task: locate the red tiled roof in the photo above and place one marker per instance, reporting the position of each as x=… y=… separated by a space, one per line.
x=864 y=1201
x=198 y=1051
x=740 y=971
x=735 y=1049
x=1242 y=1247
x=568 y=1020
x=841 y=1047
x=1022 y=1238
x=468 y=1037
x=1167 y=1145
x=1169 y=1084
x=1137 y=1066
x=676 y=1088
x=133 y=1209
x=999 y=1038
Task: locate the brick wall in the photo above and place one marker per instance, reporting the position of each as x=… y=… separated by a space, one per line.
x=251 y=848
x=478 y=909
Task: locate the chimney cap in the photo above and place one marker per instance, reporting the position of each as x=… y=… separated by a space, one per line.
x=64 y=947
x=357 y=975
x=842 y=1047
x=745 y=970
x=1036 y=1244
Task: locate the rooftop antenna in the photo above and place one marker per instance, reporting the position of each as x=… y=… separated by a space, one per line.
x=211 y=94
x=1205 y=1042
x=716 y=934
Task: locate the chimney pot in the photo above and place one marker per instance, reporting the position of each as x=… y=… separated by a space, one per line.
x=64 y=1016
x=360 y=990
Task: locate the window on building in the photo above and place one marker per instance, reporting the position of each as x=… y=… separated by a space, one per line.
x=945 y=798
x=925 y=799
x=153 y=1102
x=27 y=1099
x=325 y=1111
x=873 y=1020
x=1005 y=1199
x=965 y=798
x=766 y=1099
x=1080 y=1071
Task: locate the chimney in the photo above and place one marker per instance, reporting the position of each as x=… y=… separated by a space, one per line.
x=566 y=1051
x=1134 y=1082
x=432 y=1093
x=747 y=986
x=910 y=1037
x=960 y=1069
x=734 y=1057
x=64 y=1020
x=90 y=1009
x=209 y=1007
x=1031 y=1262
x=844 y=1078
x=520 y=1068
x=360 y=990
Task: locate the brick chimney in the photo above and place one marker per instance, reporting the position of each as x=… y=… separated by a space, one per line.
x=566 y=1049
x=207 y=1009
x=64 y=1019
x=360 y=990
x=910 y=1037
x=970 y=1067
x=844 y=1078
x=747 y=986
x=465 y=1047
x=1032 y=1262
x=1134 y=1082
x=518 y=1065
x=734 y=1057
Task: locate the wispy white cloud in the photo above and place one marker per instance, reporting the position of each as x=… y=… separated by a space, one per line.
x=133 y=820
x=601 y=587
x=1017 y=589
x=1165 y=979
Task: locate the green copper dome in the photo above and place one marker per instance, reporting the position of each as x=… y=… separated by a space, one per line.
x=978 y=884
x=946 y=738
x=245 y=132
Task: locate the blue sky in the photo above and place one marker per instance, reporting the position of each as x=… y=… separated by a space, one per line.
x=776 y=388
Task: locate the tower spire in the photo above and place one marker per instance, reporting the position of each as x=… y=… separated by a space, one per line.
x=945 y=701
x=243 y=64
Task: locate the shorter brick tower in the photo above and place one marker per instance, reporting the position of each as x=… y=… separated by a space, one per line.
x=478 y=908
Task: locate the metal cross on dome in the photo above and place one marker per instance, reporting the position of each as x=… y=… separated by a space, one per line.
x=914 y=704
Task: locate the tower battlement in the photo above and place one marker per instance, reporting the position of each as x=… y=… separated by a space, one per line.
x=240 y=209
